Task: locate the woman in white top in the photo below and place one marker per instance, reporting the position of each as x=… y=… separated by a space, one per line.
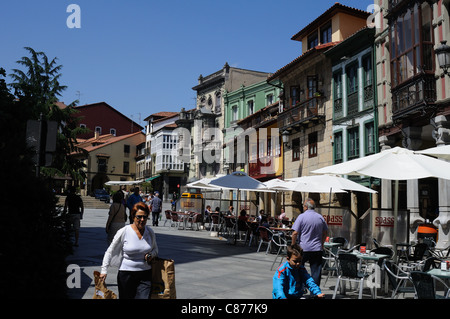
x=131 y=251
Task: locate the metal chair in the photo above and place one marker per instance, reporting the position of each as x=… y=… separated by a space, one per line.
x=424 y=284
x=264 y=238
x=168 y=218
x=398 y=279
x=196 y=218
x=214 y=222
x=176 y=221
x=279 y=241
x=347 y=268
x=330 y=262
x=415 y=261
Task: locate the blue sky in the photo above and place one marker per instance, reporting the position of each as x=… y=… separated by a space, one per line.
x=143 y=57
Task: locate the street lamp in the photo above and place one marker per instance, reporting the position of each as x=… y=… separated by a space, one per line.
x=443 y=55
x=285 y=137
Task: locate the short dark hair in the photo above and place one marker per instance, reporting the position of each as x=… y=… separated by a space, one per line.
x=139 y=206
x=295 y=250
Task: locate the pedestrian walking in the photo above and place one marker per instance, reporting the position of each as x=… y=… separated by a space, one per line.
x=117 y=216
x=133 y=199
x=132 y=250
x=74 y=206
x=310 y=231
x=155 y=205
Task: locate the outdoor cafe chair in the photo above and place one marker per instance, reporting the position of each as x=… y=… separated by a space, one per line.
x=243 y=228
x=416 y=259
x=254 y=234
x=195 y=219
x=340 y=240
x=230 y=225
x=168 y=218
x=214 y=222
x=329 y=261
x=264 y=238
x=347 y=269
x=176 y=220
x=398 y=279
x=425 y=286
x=278 y=240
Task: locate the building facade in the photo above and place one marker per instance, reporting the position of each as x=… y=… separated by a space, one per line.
x=413 y=100
x=307 y=113
x=101 y=118
x=109 y=158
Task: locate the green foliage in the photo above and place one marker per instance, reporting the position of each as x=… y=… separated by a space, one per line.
x=34 y=240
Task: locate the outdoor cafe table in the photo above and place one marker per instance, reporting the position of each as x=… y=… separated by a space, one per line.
x=373 y=258
x=443 y=274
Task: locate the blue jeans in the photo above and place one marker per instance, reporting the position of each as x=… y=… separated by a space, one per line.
x=315 y=263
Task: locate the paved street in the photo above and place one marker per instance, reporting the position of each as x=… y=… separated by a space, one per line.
x=206 y=267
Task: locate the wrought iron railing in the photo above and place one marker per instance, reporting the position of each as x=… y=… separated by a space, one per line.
x=302 y=112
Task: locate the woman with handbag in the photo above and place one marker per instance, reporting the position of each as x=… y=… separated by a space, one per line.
x=132 y=250
x=117 y=216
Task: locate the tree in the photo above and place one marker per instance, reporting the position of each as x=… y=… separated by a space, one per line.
x=37 y=90
x=34 y=239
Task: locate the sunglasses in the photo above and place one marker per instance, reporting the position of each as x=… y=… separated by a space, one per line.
x=141 y=217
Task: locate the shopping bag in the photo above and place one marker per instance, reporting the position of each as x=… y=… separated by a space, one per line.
x=163 y=279
x=101 y=291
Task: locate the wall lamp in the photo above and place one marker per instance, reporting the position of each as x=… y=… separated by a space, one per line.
x=443 y=55
x=285 y=137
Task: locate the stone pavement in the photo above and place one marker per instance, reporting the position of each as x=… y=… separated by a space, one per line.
x=206 y=267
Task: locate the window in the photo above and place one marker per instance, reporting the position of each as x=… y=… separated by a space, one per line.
x=411 y=43
x=352 y=78
x=98 y=130
x=126 y=149
x=353 y=143
x=250 y=107
x=101 y=165
x=369 y=138
x=337 y=94
x=269 y=99
x=296 y=149
x=112 y=131
x=83 y=125
x=325 y=34
x=313 y=40
x=352 y=89
x=126 y=167
x=338 y=148
x=312 y=85
x=312 y=144
x=234 y=113
x=295 y=95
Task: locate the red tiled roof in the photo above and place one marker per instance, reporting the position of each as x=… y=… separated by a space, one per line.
x=337 y=7
x=302 y=57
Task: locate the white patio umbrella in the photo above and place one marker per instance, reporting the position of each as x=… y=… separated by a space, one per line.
x=240 y=181
x=392 y=164
x=327 y=183
x=442 y=152
x=204 y=183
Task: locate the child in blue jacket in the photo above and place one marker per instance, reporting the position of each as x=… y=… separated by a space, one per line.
x=291 y=277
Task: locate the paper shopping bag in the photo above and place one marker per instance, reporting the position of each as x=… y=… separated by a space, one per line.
x=163 y=279
x=101 y=291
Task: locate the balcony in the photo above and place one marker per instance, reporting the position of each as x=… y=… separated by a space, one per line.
x=301 y=114
x=412 y=96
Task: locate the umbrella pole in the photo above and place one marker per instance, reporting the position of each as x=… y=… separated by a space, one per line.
x=394 y=237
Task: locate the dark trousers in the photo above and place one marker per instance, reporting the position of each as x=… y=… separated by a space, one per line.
x=315 y=263
x=134 y=284
x=155 y=218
